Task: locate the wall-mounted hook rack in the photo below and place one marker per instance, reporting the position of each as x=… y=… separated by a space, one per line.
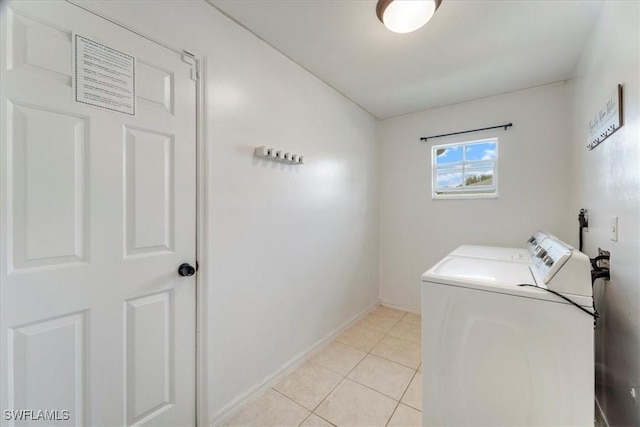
x=279 y=155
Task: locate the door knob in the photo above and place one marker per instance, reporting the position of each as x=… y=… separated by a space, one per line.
x=186 y=269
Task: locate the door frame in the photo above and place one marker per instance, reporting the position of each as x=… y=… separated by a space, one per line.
x=105 y=11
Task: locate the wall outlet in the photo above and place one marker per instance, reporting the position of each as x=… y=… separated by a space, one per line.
x=613 y=229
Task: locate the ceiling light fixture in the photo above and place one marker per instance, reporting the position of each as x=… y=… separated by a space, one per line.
x=404 y=16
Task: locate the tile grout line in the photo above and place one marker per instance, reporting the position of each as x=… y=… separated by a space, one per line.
x=313 y=413
x=408 y=385
x=381 y=357
x=352 y=369
x=401 y=339
x=323 y=419
x=392 y=414
x=288 y=398
x=407 y=388
x=391 y=329
x=305 y=418
x=345 y=377
x=329 y=394
x=414 y=373
x=397 y=363
x=377 y=391
x=348 y=373
x=401 y=397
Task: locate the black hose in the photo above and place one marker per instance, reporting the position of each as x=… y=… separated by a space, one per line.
x=582 y=221
x=580 y=231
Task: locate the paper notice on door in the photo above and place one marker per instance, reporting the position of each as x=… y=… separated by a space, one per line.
x=104 y=77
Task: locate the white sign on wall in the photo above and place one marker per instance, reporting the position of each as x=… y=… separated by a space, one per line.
x=607 y=120
x=104 y=76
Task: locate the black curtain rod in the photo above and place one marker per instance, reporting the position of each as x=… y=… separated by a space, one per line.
x=508 y=125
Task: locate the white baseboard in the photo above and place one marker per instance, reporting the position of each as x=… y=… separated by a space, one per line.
x=601 y=418
x=400 y=307
x=237 y=404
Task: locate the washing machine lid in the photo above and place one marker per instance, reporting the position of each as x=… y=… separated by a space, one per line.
x=497 y=253
x=492 y=276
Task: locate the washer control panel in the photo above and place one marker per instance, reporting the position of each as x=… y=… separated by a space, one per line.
x=548 y=257
x=534 y=242
x=561 y=267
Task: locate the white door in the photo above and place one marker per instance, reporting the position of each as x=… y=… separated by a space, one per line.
x=98 y=212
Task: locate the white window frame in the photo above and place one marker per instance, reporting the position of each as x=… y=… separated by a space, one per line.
x=463 y=192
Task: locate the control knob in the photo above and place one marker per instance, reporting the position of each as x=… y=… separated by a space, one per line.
x=548 y=261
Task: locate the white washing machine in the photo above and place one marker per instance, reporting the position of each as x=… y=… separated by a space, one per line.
x=498 y=354
x=502 y=253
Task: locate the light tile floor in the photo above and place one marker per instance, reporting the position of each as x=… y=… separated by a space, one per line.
x=369 y=376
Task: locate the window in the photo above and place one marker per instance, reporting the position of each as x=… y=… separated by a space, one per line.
x=466 y=170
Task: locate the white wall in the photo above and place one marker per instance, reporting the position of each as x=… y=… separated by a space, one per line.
x=416 y=231
x=606 y=181
x=293 y=249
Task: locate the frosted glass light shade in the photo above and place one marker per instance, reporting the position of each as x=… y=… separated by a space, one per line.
x=404 y=16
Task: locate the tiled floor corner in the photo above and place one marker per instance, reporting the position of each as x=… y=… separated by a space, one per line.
x=367 y=377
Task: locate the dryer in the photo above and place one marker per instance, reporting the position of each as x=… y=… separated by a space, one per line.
x=496 y=353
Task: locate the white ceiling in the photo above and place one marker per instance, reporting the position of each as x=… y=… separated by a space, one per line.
x=470 y=49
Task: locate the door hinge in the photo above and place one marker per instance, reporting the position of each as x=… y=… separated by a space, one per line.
x=188 y=58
